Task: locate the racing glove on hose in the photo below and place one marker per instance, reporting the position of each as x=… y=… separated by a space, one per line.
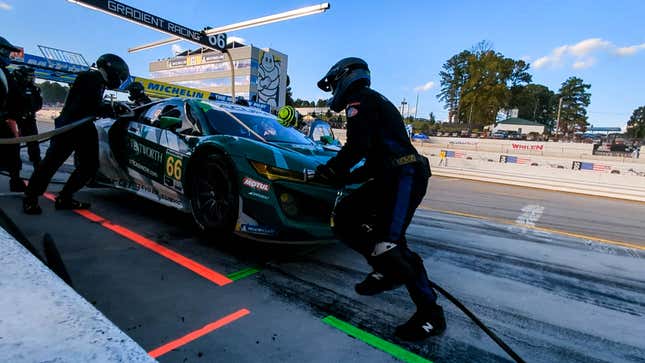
x=327 y=175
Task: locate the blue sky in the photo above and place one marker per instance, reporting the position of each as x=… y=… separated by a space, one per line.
x=404 y=42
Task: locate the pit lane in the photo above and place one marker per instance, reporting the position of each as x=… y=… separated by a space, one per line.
x=552 y=297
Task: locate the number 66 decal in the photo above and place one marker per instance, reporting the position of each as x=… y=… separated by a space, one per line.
x=173 y=167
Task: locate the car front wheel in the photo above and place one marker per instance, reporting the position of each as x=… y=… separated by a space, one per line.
x=214 y=197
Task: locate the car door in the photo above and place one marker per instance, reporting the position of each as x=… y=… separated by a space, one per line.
x=157 y=156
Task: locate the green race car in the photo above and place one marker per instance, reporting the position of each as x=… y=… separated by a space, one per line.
x=234 y=168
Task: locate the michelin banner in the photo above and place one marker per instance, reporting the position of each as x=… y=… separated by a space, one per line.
x=165 y=90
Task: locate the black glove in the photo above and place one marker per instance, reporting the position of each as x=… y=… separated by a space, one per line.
x=327 y=175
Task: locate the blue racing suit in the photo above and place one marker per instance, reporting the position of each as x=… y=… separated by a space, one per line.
x=395 y=180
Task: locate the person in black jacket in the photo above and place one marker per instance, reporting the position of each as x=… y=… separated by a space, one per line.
x=23 y=105
x=373 y=219
x=85 y=99
x=137 y=95
x=9 y=154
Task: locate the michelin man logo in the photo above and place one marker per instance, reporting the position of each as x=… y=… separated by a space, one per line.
x=268 y=79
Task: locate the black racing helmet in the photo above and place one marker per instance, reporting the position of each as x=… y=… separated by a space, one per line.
x=116 y=69
x=342 y=75
x=136 y=88
x=24 y=74
x=5 y=49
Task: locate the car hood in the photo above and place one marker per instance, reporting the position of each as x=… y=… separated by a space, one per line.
x=282 y=155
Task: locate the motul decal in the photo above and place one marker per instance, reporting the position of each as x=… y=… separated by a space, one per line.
x=254 y=184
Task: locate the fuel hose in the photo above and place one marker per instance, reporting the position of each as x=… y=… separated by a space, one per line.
x=46 y=135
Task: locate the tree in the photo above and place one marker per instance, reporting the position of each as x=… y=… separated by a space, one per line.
x=453 y=77
x=53 y=92
x=534 y=102
x=321 y=103
x=636 y=123
x=575 y=100
x=432 y=119
x=289 y=99
x=476 y=84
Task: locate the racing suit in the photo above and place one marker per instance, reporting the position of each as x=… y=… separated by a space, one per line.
x=396 y=181
x=9 y=154
x=22 y=107
x=85 y=99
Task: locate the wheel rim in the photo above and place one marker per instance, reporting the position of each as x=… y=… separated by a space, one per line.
x=213 y=196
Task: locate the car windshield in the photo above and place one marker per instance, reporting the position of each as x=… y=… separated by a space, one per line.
x=263 y=124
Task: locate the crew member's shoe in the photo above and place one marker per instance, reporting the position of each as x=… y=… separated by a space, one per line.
x=375 y=283
x=63 y=203
x=16 y=185
x=30 y=206
x=424 y=323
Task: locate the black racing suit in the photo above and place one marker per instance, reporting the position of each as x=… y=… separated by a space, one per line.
x=396 y=181
x=9 y=154
x=140 y=100
x=85 y=99
x=22 y=107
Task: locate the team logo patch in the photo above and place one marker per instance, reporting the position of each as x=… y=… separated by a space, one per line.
x=351 y=111
x=254 y=184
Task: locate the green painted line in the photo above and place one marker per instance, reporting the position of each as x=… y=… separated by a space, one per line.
x=378 y=343
x=238 y=275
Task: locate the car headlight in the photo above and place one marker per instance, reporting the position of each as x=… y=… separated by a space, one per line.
x=274 y=173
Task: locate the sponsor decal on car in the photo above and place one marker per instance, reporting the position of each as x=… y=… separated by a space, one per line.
x=254 y=184
x=258 y=195
x=256 y=229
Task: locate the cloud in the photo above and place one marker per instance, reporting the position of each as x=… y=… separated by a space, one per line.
x=176 y=49
x=582 y=64
x=232 y=39
x=581 y=54
x=5 y=6
x=631 y=50
x=425 y=87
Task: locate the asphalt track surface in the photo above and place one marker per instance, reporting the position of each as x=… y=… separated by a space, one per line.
x=507 y=253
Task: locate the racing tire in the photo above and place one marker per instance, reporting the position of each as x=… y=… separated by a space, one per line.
x=214 y=197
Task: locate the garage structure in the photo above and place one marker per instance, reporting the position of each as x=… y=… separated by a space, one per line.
x=519 y=125
x=260 y=73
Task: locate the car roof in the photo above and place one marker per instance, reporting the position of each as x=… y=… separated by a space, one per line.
x=226 y=106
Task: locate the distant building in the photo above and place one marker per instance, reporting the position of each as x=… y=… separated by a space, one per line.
x=260 y=74
x=520 y=125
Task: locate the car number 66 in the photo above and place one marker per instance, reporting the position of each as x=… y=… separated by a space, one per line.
x=173 y=167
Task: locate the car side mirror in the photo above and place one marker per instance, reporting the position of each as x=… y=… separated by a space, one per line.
x=326 y=140
x=168 y=122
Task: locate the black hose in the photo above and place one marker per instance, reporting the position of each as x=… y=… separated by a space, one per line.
x=478 y=322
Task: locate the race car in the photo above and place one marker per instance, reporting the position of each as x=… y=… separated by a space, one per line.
x=234 y=168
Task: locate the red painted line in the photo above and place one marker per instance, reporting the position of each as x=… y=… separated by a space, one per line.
x=157 y=352
x=179 y=259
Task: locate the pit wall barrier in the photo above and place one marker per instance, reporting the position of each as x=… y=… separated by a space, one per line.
x=44 y=320
x=566 y=167
x=575 y=175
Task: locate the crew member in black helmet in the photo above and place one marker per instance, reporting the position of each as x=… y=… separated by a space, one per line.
x=23 y=105
x=85 y=99
x=137 y=94
x=373 y=219
x=9 y=154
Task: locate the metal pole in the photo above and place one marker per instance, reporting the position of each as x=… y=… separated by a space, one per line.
x=416 y=107
x=230 y=62
x=557 y=125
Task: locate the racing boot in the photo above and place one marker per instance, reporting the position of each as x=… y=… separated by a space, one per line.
x=426 y=322
x=16 y=184
x=66 y=203
x=376 y=283
x=388 y=274
x=30 y=205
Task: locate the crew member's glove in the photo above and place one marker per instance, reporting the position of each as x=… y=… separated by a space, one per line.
x=121 y=108
x=326 y=174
